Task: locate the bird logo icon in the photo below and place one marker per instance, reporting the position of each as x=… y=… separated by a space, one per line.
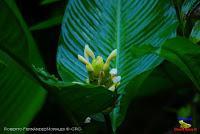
x=184 y=124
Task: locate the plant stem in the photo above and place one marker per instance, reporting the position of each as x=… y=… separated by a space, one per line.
x=108 y=123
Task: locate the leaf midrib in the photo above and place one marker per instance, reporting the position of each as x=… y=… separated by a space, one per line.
x=118 y=31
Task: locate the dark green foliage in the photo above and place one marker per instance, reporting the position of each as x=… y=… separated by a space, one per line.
x=182 y=53
x=20 y=94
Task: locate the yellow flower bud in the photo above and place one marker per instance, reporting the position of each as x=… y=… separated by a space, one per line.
x=112 y=55
x=88 y=52
x=97 y=64
x=99 y=72
x=87 y=63
x=106 y=66
x=89 y=68
x=82 y=59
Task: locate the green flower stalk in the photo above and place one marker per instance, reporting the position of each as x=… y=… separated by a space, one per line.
x=99 y=72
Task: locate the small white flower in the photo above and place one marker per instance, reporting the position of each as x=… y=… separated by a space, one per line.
x=116 y=79
x=87 y=120
x=113 y=72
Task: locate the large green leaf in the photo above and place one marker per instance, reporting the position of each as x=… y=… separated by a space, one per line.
x=14 y=32
x=52 y=18
x=193 y=5
x=79 y=99
x=46 y=2
x=85 y=100
x=54 y=21
x=187 y=7
x=20 y=95
x=195 y=34
x=184 y=54
x=113 y=24
x=119 y=111
x=106 y=25
x=187 y=12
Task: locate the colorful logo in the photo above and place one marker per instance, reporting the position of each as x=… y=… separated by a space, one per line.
x=185 y=125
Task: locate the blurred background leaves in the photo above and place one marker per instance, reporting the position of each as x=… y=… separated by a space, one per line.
x=21 y=96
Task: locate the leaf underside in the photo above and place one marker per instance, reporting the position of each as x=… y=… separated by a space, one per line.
x=107 y=25
x=84 y=101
